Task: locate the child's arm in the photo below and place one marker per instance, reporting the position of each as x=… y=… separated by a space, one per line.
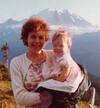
x=64 y=72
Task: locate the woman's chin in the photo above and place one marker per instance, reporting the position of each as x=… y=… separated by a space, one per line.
x=35 y=50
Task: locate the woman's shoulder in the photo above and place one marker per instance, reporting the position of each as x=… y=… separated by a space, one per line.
x=18 y=58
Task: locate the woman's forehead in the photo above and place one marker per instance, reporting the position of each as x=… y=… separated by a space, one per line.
x=42 y=33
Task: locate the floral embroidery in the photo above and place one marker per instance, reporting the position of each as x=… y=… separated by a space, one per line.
x=34 y=74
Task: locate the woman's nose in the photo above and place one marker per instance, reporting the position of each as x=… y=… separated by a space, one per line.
x=37 y=39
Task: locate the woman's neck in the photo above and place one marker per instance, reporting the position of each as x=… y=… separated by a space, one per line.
x=37 y=57
x=34 y=54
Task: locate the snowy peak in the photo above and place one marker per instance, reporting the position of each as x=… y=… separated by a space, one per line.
x=63 y=17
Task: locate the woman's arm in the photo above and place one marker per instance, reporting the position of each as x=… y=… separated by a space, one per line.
x=22 y=96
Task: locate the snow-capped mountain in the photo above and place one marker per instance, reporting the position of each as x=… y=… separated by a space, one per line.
x=55 y=18
x=63 y=17
x=75 y=24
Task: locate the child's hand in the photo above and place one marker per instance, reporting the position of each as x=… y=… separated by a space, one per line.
x=53 y=76
x=62 y=77
x=63 y=74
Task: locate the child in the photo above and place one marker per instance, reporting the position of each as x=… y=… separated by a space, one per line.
x=66 y=78
x=60 y=63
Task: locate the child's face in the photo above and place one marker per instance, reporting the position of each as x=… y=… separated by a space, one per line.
x=60 y=46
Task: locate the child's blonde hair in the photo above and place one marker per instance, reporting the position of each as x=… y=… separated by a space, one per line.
x=62 y=33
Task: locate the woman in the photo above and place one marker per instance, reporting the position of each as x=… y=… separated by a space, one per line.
x=26 y=69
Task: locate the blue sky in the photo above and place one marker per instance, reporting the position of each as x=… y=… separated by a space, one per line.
x=20 y=9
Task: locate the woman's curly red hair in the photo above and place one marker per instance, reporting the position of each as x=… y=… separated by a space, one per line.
x=34 y=24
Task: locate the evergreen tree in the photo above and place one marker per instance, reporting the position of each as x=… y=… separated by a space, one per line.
x=5 y=50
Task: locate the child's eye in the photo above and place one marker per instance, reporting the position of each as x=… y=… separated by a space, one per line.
x=61 y=45
x=54 y=45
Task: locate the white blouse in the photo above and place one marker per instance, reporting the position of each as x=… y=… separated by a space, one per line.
x=19 y=68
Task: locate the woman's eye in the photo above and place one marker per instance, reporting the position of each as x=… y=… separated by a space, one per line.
x=40 y=37
x=34 y=37
x=37 y=37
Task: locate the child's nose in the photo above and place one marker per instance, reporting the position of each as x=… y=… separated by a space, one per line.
x=58 y=47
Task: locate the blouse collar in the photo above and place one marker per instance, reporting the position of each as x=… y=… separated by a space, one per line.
x=28 y=61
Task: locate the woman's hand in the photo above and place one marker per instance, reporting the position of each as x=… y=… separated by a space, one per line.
x=31 y=86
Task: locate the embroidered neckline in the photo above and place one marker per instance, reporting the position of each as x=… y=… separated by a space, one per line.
x=33 y=63
x=41 y=62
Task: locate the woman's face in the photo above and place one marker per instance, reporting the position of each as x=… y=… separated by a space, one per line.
x=36 y=41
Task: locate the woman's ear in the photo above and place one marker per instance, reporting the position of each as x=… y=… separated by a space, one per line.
x=69 y=42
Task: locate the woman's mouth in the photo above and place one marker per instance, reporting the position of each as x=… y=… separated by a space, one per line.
x=36 y=46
